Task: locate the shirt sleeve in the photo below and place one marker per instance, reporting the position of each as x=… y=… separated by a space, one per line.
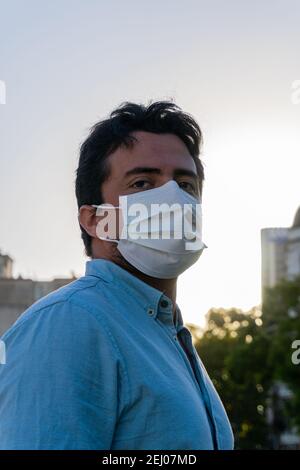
x=59 y=388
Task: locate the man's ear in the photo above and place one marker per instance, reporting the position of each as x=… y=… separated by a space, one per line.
x=88 y=220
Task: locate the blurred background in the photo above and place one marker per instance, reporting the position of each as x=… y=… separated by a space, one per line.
x=235 y=66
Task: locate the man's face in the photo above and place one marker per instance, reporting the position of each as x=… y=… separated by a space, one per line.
x=153 y=160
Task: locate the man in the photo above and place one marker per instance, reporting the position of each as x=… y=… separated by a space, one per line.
x=106 y=362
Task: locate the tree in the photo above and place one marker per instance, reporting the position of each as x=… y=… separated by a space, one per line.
x=281 y=309
x=234 y=352
x=248 y=354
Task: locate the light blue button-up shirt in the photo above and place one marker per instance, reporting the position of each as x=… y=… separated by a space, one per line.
x=100 y=364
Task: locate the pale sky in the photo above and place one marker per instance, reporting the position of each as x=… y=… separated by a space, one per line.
x=67 y=63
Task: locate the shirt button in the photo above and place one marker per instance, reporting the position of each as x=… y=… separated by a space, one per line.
x=164 y=303
x=150 y=311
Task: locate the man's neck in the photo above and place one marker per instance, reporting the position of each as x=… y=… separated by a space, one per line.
x=167 y=286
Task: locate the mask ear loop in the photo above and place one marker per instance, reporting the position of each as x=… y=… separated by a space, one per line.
x=106 y=207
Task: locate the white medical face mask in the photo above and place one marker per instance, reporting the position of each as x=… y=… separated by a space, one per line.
x=162 y=230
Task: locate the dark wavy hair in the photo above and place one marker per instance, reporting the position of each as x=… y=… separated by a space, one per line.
x=160 y=117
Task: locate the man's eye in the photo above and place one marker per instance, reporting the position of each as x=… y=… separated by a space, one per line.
x=186 y=186
x=141 y=184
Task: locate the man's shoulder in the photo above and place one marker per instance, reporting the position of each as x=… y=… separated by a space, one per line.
x=62 y=303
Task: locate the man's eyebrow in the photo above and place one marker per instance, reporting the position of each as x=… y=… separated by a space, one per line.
x=148 y=169
x=185 y=172
x=142 y=169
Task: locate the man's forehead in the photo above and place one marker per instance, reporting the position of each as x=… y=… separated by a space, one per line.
x=153 y=150
x=151 y=140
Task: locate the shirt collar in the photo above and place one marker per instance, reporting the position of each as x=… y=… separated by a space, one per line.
x=153 y=301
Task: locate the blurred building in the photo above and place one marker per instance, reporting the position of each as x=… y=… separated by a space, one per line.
x=280 y=253
x=17 y=294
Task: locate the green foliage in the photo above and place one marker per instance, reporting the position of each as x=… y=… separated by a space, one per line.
x=284 y=327
x=245 y=353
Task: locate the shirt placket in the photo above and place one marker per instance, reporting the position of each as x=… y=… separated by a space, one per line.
x=200 y=379
x=182 y=339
